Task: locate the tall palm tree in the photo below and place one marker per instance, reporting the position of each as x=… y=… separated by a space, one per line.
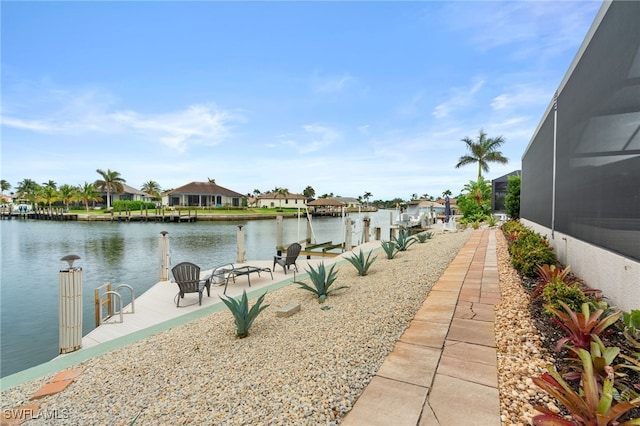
x=483 y=152
x=366 y=197
x=50 y=184
x=88 y=193
x=67 y=194
x=4 y=186
x=309 y=192
x=48 y=195
x=111 y=181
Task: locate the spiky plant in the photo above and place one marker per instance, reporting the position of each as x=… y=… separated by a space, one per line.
x=360 y=263
x=424 y=236
x=390 y=248
x=244 y=316
x=322 y=280
x=404 y=241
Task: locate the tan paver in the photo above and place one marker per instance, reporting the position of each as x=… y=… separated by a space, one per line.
x=411 y=363
x=51 y=389
x=458 y=402
x=472 y=331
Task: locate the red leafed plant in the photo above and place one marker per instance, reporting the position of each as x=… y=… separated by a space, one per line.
x=580 y=326
x=549 y=273
x=592 y=405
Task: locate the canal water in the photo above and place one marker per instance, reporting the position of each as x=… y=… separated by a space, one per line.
x=120 y=253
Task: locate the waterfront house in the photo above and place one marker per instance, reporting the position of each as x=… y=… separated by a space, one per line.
x=202 y=194
x=130 y=193
x=282 y=200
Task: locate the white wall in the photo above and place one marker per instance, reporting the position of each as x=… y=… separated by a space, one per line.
x=617 y=276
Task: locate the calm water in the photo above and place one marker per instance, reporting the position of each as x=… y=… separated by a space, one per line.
x=120 y=253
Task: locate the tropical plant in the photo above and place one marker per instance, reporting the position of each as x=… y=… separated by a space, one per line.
x=48 y=195
x=557 y=291
x=366 y=197
x=547 y=273
x=475 y=200
x=322 y=280
x=390 y=248
x=67 y=194
x=153 y=188
x=579 y=327
x=309 y=192
x=512 y=199
x=424 y=236
x=244 y=316
x=361 y=263
x=592 y=405
x=403 y=240
x=88 y=193
x=530 y=249
x=4 y=186
x=482 y=152
x=491 y=221
x=111 y=182
x=27 y=189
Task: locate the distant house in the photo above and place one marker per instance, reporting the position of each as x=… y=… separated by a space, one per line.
x=349 y=202
x=202 y=194
x=327 y=206
x=130 y=194
x=281 y=200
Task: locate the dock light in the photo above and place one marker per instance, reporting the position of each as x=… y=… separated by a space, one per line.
x=70 y=258
x=164 y=233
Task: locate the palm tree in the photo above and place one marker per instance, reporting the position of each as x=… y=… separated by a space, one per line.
x=88 y=193
x=4 y=186
x=446 y=192
x=111 y=181
x=309 y=192
x=152 y=187
x=27 y=190
x=366 y=197
x=483 y=152
x=213 y=181
x=50 y=184
x=67 y=194
x=47 y=194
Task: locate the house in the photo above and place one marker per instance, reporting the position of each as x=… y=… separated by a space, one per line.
x=327 y=206
x=130 y=194
x=202 y=194
x=281 y=200
x=350 y=203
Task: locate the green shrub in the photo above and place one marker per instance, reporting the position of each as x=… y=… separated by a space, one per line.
x=512 y=199
x=557 y=291
x=244 y=316
x=529 y=250
x=360 y=263
x=130 y=205
x=424 y=236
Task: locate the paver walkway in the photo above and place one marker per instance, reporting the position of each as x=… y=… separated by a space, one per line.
x=443 y=370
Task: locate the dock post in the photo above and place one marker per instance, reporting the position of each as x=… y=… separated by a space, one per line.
x=279 y=231
x=70 y=306
x=241 y=252
x=164 y=258
x=309 y=229
x=347 y=234
x=366 y=222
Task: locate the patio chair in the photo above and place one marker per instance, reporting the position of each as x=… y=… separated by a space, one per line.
x=187 y=276
x=290 y=259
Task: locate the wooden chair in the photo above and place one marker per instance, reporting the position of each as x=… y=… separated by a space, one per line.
x=293 y=251
x=187 y=276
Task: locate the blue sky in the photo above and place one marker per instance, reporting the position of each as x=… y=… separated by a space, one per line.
x=347 y=97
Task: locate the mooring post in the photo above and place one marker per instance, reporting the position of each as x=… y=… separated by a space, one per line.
x=348 y=235
x=279 y=231
x=70 y=306
x=240 y=238
x=366 y=222
x=164 y=256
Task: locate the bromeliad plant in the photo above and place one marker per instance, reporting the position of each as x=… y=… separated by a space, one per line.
x=322 y=280
x=360 y=263
x=390 y=248
x=580 y=326
x=244 y=316
x=592 y=405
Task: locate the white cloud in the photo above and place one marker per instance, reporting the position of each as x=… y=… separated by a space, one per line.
x=330 y=84
x=93 y=111
x=521 y=96
x=461 y=97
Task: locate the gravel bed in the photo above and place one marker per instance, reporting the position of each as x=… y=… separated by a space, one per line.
x=307 y=369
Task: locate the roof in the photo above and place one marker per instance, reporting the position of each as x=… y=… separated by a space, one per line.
x=204 y=188
x=348 y=200
x=326 y=202
x=277 y=195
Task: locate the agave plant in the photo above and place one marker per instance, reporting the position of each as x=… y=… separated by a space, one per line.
x=244 y=316
x=322 y=280
x=390 y=248
x=424 y=236
x=580 y=326
x=360 y=263
x=591 y=405
x=404 y=241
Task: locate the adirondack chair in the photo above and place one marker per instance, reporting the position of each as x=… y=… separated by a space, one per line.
x=293 y=251
x=187 y=276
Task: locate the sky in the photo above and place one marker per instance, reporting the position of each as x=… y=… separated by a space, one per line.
x=345 y=97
